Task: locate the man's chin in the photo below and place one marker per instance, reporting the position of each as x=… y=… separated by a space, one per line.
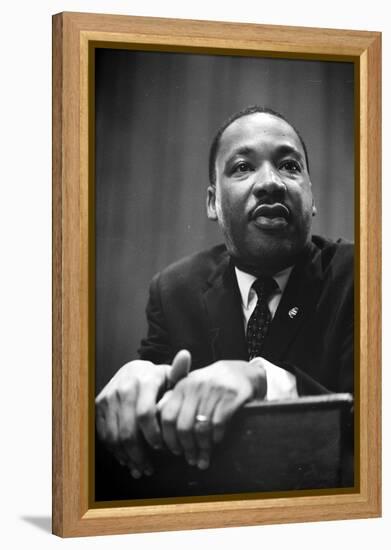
x=268 y=259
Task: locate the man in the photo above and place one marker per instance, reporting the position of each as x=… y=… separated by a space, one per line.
x=268 y=315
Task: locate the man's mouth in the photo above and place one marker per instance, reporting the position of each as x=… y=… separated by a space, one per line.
x=270 y=216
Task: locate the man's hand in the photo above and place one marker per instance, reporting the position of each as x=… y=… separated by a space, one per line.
x=126 y=409
x=194 y=415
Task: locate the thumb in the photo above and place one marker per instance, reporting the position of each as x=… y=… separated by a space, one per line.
x=180 y=367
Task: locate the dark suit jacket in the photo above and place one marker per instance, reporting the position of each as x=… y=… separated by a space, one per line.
x=195 y=304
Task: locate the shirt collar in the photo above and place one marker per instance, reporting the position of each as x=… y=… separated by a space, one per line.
x=245 y=281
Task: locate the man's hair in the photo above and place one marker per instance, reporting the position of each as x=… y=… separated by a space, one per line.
x=214 y=149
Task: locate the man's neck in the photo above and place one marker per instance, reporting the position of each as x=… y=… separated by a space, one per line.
x=267 y=268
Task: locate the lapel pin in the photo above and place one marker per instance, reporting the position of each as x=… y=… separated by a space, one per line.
x=293 y=312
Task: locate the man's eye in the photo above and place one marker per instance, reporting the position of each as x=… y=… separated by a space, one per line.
x=290 y=166
x=241 y=167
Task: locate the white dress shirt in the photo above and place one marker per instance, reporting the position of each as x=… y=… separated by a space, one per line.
x=281 y=384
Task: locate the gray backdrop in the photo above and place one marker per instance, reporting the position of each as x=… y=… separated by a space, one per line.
x=156 y=114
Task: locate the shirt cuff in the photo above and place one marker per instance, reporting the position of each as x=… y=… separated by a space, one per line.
x=281 y=384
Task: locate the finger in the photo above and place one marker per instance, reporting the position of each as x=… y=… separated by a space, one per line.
x=203 y=459
x=118 y=451
x=107 y=428
x=186 y=425
x=134 y=469
x=221 y=415
x=163 y=401
x=146 y=414
x=101 y=426
x=119 y=454
x=206 y=407
x=137 y=459
x=180 y=367
x=130 y=441
x=111 y=422
x=169 y=415
x=203 y=430
x=136 y=473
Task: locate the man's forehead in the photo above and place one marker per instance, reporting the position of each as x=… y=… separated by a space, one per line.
x=257 y=128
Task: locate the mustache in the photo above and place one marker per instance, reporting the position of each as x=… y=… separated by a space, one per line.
x=270 y=209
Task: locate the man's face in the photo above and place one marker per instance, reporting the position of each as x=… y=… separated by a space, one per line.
x=262 y=198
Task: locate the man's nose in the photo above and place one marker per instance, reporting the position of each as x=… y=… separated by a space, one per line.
x=268 y=180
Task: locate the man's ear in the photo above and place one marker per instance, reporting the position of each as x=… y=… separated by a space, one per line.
x=314 y=210
x=211 y=202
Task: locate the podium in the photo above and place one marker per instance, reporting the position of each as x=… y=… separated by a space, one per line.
x=303 y=443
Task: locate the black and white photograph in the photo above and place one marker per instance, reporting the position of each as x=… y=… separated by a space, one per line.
x=224 y=273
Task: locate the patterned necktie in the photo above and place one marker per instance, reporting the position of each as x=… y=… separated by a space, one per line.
x=260 y=319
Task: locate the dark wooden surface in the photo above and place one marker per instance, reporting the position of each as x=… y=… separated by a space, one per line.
x=278 y=446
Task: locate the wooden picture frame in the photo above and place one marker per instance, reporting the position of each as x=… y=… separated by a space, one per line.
x=74 y=34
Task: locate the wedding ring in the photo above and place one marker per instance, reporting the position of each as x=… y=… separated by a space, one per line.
x=201 y=418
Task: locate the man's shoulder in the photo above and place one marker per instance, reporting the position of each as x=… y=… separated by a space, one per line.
x=325 y=243
x=200 y=264
x=331 y=247
x=197 y=268
x=334 y=254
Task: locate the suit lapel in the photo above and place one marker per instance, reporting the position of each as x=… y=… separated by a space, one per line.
x=223 y=305
x=296 y=305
